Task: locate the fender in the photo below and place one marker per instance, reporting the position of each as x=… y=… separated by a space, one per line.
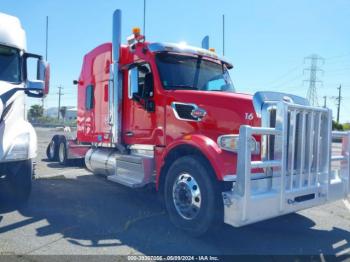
x=205 y=145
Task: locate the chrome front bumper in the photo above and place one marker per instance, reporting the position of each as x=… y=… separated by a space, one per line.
x=300 y=169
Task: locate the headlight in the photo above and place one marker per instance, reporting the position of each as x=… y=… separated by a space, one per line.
x=19 y=148
x=231 y=143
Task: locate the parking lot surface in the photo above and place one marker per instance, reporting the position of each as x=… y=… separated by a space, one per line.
x=74 y=212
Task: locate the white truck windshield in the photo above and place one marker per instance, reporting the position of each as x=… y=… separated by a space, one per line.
x=193 y=73
x=10 y=69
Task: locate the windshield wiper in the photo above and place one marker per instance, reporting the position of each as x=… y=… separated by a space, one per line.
x=183 y=87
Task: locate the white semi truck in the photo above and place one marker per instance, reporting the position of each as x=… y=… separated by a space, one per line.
x=18 y=141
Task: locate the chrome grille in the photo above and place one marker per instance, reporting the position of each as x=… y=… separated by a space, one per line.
x=308 y=131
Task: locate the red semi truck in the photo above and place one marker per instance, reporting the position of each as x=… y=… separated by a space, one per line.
x=168 y=114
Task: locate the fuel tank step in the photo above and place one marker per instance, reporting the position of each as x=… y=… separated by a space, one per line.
x=133 y=171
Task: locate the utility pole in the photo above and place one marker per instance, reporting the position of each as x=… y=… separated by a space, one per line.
x=223 y=35
x=325 y=101
x=47 y=36
x=313 y=80
x=59 y=101
x=144 y=17
x=339 y=98
x=46 y=48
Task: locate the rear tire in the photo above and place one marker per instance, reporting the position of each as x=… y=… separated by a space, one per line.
x=20 y=181
x=52 y=149
x=193 y=196
x=62 y=152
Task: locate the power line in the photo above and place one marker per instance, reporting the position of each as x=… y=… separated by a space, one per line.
x=313 y=80
x=283 y=76
x=338 y=56
x=287 y=81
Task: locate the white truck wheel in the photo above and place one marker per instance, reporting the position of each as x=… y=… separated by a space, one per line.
x=192 y=196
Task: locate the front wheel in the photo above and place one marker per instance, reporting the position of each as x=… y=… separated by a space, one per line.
x=20 y=181
x=192 y=196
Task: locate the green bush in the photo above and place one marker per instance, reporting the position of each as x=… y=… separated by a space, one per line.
x=337 y=126
x=45 y=120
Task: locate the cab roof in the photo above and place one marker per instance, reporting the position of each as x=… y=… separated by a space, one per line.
x=11 y=32
x=186 y=49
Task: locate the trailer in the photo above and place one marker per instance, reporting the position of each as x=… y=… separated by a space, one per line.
x=168 y=114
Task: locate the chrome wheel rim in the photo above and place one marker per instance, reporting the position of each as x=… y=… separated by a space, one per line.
x=61 y=152
x=187 y=196
x=52 y=149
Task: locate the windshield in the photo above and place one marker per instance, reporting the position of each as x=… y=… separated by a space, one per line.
x=192 y=72
x=10 y=70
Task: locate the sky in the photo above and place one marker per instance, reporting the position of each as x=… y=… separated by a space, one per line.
x=266 y=41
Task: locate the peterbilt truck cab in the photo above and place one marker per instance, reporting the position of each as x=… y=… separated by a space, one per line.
x=18 y=141
x=169 y=115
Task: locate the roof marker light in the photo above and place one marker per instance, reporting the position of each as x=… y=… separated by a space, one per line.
x=136 y=31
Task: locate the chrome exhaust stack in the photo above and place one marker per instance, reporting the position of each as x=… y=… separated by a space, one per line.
x=115 y=87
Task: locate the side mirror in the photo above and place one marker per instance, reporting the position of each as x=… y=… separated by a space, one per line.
x=44 y=75
x=37 y=85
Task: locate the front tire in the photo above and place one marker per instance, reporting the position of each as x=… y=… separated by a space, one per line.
x=20 y=181
x=192 y=196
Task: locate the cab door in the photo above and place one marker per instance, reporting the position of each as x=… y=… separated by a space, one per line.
x=139 y=110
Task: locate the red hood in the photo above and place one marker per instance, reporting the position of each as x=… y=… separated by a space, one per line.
x=226 y=112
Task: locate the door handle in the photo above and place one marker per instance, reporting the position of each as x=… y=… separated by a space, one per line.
x=129 y=133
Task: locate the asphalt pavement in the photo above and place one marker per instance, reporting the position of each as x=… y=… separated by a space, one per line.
x=72 y=212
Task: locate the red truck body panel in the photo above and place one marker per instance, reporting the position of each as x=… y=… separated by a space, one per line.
x=92 y=124
x=226 y=112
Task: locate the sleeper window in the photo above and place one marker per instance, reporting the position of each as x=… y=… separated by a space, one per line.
x=89 y=102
